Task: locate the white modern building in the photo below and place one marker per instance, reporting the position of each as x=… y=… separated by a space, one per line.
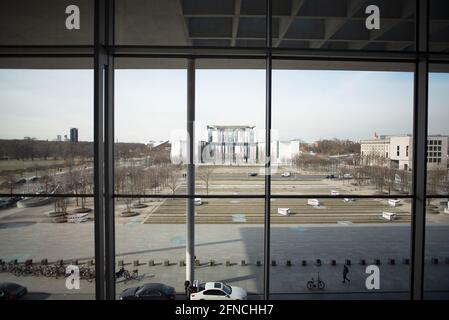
x=397 y=151
x=234 y=145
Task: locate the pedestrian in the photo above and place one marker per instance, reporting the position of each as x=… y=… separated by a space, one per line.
x=186 y=288
x=191 y=290
x=345 y=273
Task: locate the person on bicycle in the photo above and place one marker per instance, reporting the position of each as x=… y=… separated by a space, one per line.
x=345 y=273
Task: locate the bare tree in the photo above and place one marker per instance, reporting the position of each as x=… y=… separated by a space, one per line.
x=205 y=174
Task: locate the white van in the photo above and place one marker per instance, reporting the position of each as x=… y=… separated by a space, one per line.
x=198 y=201
x=284 y=211
x=390 y=216
x=393 y=202
x=313 y=202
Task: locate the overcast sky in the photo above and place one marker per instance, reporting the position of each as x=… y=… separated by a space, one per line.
x=151 y=104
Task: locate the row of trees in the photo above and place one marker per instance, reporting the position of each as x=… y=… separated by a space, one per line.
x=334 y=147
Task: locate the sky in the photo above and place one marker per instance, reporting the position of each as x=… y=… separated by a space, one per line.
x=151 y=104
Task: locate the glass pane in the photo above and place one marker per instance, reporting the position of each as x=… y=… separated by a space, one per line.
x=312 y=240
x=330 y=135
x=43 y=241
x=346 y=25
x=46 y=128
x=439 y=26
x=150 y=127
x=438 y=132
x=46 y=22
x=230 y=122
x=436 y=262
x=150 y=238
x=218 y=23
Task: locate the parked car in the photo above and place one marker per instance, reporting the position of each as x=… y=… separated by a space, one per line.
x=348 y=199
x=9 y=201
x=335 y=193
x=12 y=291
x=330 y=176
x=252 y=174
x=284 y=211
x=21 y=181
x=198 y=201
x=286 y=174
x=218 y=291
x=149 y=291
x=33 y=178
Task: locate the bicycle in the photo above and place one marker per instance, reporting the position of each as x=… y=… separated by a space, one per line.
x=318 y=284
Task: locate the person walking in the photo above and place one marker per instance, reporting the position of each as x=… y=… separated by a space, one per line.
x=345 y=273
x=186 y=288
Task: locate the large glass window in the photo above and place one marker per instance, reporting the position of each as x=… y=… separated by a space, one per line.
x=46 y=150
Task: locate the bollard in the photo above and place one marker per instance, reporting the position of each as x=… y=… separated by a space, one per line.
x=212 y=263
x=434 y=260
x=28 y=262
x=60 y=262
x=333 y=262
x=166 y=263
x=90 y=263
x=447 y=260
x=406 y=261
x=136 y=263
x=258 y=263
x=273 y=263
x=348 y=262
x=377 y=262
x=304 y=263
x=75 y=262
x=318 y=262
x=120 y=263
x=362 y=262
x=392 y=261
x=288 y=263
x=228 y=263
x=243 y=263
x=182 y=263
x=197 y=263
x=44 y=262
x=151 y=263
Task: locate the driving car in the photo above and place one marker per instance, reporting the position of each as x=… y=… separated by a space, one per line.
x=218 y=291
x=286 y=174
x=12 y=291
x=252 y=174
x=149 y=291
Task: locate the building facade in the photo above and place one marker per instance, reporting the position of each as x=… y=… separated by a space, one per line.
x=234 y=145
x=397 y=151
x=74 y=135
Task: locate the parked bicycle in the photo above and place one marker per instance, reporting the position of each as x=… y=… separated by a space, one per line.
x=316 y=284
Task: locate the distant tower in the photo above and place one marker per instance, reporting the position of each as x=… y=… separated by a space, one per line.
x=74 y=135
